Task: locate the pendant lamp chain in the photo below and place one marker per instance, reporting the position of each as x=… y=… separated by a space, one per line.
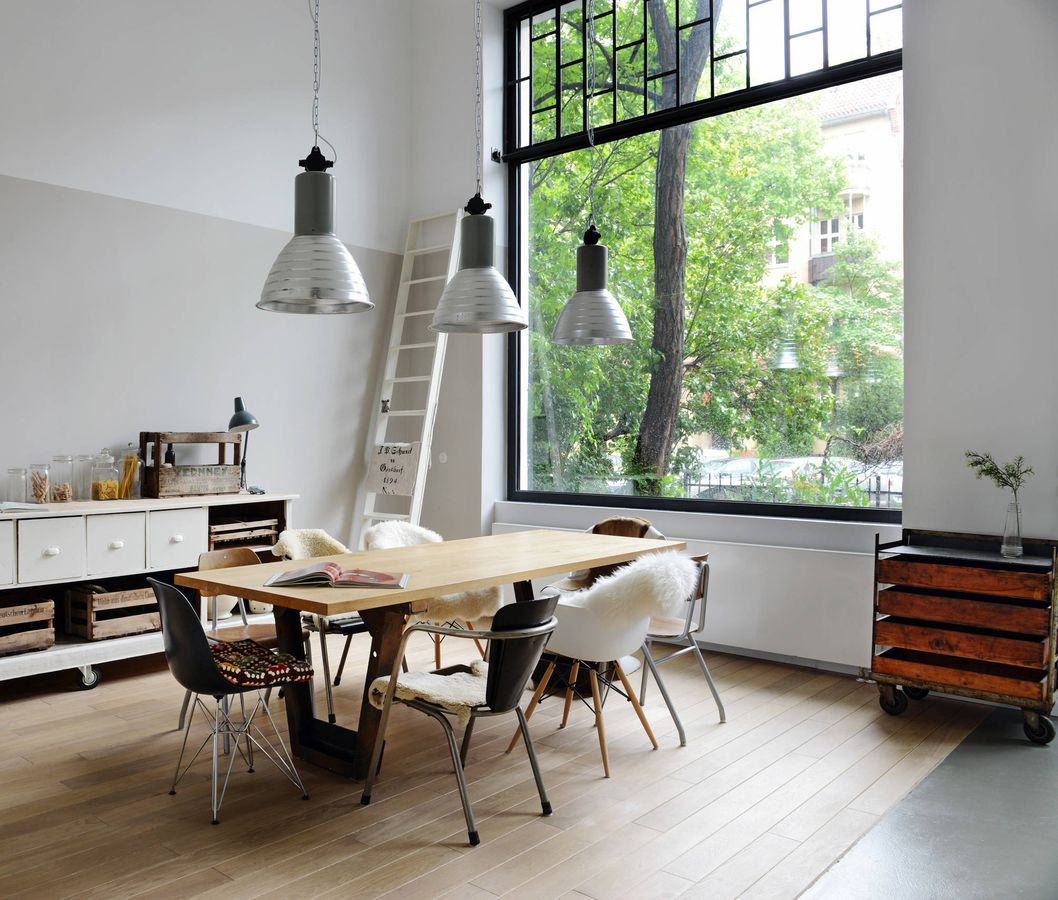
x=592 y=75
x=316 y=73
x=478 y=104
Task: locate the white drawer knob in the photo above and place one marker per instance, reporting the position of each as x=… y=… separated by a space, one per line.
x=52 y=551
x=176 y=539
x=116 y=545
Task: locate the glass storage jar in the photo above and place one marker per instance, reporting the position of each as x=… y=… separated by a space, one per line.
x=82 y=476
x=16 y=486
x=61 y=479
x=38 y=483
x=129 y=482
x=104 y=477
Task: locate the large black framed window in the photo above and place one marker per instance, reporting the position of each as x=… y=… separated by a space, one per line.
x=726 y=132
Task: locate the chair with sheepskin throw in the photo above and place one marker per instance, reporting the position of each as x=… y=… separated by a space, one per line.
x=609 y=620
x=451 y=610
x=517 y=637
x=308 y=543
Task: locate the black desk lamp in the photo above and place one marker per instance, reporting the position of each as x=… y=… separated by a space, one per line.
x=243 y=422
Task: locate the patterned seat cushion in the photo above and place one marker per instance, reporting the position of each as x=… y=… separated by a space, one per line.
x=248 y=664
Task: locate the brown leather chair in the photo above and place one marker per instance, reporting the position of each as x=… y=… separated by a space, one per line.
x=618 y=526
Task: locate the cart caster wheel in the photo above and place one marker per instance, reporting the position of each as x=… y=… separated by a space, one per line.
x=893 y=703
x=916 y=693
x=1044 y=734
x=90 y=679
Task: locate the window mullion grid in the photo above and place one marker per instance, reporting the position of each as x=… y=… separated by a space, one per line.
x=749 y=6
x=558 y=72
x=867 y=17
x=676 y=33
x=826 y=35
x=646 y=55
x=712 y=49
x=786 y=36
x=613 y=56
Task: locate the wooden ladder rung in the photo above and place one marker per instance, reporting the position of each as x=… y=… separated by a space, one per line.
x=437 y=248
x=387 y=516
x=426 y=280
x=405 y=379
x=421 y=346
x=422 y=312
x=405 y=412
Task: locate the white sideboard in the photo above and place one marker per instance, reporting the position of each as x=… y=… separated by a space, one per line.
x=61 y=544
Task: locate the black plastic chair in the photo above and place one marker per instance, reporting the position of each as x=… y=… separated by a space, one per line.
x=516 y=641
x=191 y=661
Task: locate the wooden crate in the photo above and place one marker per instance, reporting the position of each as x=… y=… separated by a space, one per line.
x=237 y=533
x=189 y=481
x=28 y=626
x=98 y=615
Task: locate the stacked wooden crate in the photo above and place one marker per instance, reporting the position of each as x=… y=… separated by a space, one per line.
x=27 y=626
x=954 y=615
x=97 y=614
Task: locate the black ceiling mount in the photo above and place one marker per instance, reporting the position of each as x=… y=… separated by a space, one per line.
x=315 y=161
x=476 y=206
x=592 y=236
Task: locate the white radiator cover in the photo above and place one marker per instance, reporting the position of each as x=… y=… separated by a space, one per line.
x=804 y=604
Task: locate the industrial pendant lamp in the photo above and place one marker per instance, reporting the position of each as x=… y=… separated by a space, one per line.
x=592 y=315
x=478 y=299
x=315 y=273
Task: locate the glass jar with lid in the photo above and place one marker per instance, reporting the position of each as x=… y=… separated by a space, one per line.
x=61 y=479
x=129 y=481
x=104 y=477
x=38 y=483
x=82 y=476
x=16 y=486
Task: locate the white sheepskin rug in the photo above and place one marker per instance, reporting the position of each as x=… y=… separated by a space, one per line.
x=657 y=584
x=307 y=543
x=468 y=606
x=458 y=693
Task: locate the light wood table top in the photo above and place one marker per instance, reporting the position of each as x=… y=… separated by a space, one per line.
x=432 y=569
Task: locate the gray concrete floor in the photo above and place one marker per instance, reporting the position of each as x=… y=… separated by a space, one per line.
x=983 y=824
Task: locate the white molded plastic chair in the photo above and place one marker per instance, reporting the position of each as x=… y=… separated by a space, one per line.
x=599 y=626
x=681 y=630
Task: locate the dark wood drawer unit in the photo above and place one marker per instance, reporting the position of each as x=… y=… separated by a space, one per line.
x=953 y=615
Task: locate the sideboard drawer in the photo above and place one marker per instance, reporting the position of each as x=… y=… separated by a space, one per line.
x=51 y=549
x=177 y=538
x=7 y=552
x=117 y=543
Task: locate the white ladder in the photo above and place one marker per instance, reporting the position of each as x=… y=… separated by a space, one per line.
x=406 y=404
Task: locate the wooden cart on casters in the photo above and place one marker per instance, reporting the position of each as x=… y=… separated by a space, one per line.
x=955 y=616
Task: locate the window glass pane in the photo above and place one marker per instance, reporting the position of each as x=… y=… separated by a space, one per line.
x=805 y=15
x=691 y=10
x=629 y=21
x=694 y=60
x=887 y=31
x=806 y=53
x=572 y=108
x=846 y=30
x=543 y=126
x=781 y=253
x=630 y=77
x=544 y=72
x=661 y=92
x=766 y=60
x=729 y=74
x=571 y=33
x=731 y=27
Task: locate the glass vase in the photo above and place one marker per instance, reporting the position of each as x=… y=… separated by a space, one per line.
x=1011 y=547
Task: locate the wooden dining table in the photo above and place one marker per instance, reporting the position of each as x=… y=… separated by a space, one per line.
x=449 y=567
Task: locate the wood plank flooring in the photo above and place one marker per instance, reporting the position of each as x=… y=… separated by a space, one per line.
x=758 y=807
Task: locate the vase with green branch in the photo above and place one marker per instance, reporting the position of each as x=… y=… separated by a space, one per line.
x=1011 y=475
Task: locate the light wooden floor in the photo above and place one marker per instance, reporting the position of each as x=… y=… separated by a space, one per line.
x=758 y=807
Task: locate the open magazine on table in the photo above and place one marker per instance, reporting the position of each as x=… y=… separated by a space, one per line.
x=329 y=574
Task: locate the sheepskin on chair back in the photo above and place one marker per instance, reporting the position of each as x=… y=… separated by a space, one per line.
x=467 y=606
x=657 y=584
x=306 y=543
x=391 y=534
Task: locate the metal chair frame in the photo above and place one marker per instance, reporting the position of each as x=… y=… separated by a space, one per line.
x=458 y=752
x=697 y=602
x=192 y=665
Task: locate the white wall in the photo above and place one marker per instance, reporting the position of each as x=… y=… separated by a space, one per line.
x=147 y=157
x=982 y=301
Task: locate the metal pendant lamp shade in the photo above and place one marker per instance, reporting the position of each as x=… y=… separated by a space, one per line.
x=478 y=299
x=314 y=273
x=243 y=420
x=592 y=316
x=786 y=356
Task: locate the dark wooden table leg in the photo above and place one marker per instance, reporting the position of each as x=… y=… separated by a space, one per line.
x=523 y=591
x=386 y=626
x=330 y=746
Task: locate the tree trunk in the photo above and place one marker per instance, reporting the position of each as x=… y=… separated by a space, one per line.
x=657 y=428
